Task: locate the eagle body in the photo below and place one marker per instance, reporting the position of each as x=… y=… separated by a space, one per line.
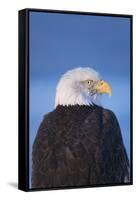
x=79 y=145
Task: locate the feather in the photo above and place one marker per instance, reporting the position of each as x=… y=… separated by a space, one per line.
x=79 y=146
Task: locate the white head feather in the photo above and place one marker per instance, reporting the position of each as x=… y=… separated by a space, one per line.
x=69 y=90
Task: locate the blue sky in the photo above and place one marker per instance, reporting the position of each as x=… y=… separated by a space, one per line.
x=59 y=42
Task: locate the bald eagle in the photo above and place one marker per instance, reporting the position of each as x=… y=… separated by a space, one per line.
x=79 y=143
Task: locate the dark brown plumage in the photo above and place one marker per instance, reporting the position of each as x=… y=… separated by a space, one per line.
x=78 y=146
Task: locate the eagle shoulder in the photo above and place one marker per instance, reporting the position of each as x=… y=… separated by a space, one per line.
x=114 y=152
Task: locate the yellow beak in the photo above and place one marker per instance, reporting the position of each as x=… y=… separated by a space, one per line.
x=103 y=87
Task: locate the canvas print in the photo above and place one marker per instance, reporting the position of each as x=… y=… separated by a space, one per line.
x=79 y=100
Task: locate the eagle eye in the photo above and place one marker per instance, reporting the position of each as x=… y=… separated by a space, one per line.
x=89 y=81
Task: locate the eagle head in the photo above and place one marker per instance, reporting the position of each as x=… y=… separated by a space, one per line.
x=82 y=86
